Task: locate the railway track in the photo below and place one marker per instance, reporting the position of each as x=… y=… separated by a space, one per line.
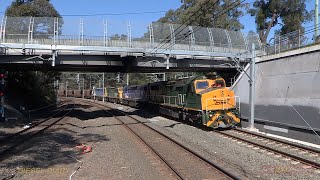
x=295 y=153
x=184 y=162
x=34 y=124
x=9 y=143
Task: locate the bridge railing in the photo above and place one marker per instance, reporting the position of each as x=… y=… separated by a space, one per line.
x=102 y=32
x=293 y=40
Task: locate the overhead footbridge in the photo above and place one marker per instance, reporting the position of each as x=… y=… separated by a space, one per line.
x=97 y=44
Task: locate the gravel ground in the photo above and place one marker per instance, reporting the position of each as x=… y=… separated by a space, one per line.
x=278 y=146
x=188 y=166
x=246 y=160
x=116 y=153
x=15 y=125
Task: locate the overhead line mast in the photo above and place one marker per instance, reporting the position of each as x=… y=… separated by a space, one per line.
x=316 y=19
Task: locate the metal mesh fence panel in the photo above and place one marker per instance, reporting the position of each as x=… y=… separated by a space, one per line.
x=182 y=37
x=202 y=38
x=140 y=34
x=220 y=40
x=69 y=31
x=118 y=33
x=43 y=30
x=238 y=43
x=17 y=29
x=113 y=32
x=162 y=35
x=252 y=38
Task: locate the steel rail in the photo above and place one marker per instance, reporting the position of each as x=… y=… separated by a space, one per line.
x=209 y=162
x=291 y=156
x=6 y=151
x=279 y=141
x=2 y=140
x=170 y=166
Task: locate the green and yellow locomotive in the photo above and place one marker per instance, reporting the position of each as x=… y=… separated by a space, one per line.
x=203 y=100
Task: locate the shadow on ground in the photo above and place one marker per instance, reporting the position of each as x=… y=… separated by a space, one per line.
x=50 y=149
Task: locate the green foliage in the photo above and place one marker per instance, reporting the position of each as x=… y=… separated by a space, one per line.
x=34 y=8
x=138 y=79
x=215 y=13
x=268 y=13
x=44 y=12
x=34 y=88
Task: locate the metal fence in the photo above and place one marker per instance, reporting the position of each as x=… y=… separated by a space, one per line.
x=293 y=40
x=98 y=31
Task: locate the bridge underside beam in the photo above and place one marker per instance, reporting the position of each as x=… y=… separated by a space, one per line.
x=113 y=69
x=114 y=63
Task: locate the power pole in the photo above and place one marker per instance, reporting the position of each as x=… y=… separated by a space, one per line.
x=103 y=87
x=252 y=88
x=127 y=79
x=82 y=87
x=66 y=88
x=316 y=20
x=78 y=81
x=118 y=77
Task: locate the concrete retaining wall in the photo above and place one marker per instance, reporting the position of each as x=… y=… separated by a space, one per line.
x=287 y=93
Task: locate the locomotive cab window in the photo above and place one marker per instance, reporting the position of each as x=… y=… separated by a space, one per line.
x=218 y=84
x=202 y=85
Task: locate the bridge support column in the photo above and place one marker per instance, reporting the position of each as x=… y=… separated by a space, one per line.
x=167 y=61
x=53 y=58
x=252 y=88
x=3 y=29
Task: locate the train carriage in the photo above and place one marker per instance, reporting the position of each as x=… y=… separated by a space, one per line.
x=135 y=95
x=111 y=94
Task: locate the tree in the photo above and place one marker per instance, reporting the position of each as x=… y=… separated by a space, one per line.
x=268 y=13
x=34 y=88
x=213 y=13
x=43 y=10
x=34 y=8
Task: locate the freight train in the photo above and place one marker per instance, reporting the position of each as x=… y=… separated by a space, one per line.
x=203 y=100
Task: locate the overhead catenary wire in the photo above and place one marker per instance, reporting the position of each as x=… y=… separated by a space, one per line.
x=292 y=35
x=111 y=14
x=220 y=13
x=168 y=38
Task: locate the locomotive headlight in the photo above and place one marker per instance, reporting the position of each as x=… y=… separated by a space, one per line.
x=210 y=115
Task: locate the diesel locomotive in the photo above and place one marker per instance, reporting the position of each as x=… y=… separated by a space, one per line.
x=203 y=100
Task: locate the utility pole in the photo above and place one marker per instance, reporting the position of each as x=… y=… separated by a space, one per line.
x=66 y=88
x=90 y=82
x=103 y=87
x=316 y=19
x=57 y=90
x=78 y=81
x=118 y=77
x=252 y=88
x=127 y=79
x=82 y=87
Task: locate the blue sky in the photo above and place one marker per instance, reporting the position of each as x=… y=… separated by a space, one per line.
x=83 y=7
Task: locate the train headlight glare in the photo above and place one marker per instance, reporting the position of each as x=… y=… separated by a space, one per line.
x=210 y=115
